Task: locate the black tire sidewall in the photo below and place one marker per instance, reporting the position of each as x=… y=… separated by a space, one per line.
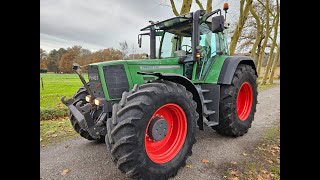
x=246 y=76
x=183 y=102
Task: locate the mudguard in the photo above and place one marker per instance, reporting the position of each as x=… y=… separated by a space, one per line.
x=189 y=86
x=230 y=65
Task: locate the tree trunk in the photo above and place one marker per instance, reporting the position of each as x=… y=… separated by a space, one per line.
x=275 y=64
x=242 y=19
x=274 y=42
x=199 y=4
x=186 y=6
x=209 y=6
x=259 y=32
x=261 y=53
x=174 y=9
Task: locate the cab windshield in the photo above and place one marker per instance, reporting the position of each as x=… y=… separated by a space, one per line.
x=176 y=44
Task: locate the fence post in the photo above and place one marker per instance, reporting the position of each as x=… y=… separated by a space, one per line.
x=42 y=83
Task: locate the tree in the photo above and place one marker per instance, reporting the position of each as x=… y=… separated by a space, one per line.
x=258 y=32
x=124 y=48
x=274 y=42
x=65 y=64
x=265 y=41
x=43 y=58
x=54 y=58
x=43 y=54
x=137 y=56
x=244 y=10
x=275 y=64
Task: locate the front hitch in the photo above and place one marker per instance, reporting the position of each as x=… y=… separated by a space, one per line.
x=84 y=118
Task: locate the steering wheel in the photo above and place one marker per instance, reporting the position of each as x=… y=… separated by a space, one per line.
x=187 y=51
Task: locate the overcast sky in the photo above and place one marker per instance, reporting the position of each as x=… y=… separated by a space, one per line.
x=99 y=24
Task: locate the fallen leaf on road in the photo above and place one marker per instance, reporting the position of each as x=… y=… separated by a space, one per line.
x=64 y=172
x=42 y=145
x=260 y=178
x=244 y=154
x=269 y=161
x=264 y=171
x=224 y=176
x=234 y=178
x=234 y=173
x=205 y=161
x=54 y=135
x=233 y=162
x=41 y=139
x=188 y=166
x=276 y=148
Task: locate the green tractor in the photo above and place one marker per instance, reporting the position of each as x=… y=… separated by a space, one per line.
x=147 y=111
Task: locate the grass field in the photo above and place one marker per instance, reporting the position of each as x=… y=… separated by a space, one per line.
x=56 y=86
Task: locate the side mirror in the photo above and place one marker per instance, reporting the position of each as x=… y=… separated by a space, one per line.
x=217 y=24
x=139 y=40
x=76 y=68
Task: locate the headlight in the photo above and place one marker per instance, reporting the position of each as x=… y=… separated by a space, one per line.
x=88 y=99
x=98 y=102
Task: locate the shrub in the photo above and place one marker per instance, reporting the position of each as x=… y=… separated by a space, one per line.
x=43 y=70
x=53 y=113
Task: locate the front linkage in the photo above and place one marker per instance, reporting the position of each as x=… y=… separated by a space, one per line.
x=84 y=114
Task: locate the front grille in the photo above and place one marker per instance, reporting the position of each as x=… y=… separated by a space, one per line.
x=116 y=80
x=95 y=83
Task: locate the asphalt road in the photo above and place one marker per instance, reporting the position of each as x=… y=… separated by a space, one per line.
x=90 y=160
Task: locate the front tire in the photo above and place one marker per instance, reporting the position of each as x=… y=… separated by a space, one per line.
x=238 y=103
x=129 y=139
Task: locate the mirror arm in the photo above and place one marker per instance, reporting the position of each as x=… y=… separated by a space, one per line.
x=212 y=13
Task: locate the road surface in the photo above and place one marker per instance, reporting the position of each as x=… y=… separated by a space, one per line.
x=90 y=160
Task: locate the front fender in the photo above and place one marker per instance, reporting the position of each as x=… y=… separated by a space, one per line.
x=189 y=86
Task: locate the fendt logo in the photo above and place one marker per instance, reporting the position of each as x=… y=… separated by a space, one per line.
x=93 y=77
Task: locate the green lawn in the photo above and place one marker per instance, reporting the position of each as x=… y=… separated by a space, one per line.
x=56 y=86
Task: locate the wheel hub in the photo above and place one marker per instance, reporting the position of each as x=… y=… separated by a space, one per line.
x=158 y=128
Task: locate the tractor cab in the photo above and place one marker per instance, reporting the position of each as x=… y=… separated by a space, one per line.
x=192 y=37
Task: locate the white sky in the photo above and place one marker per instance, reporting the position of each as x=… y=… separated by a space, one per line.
x=99 y=24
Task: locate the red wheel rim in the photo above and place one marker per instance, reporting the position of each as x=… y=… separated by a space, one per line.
x=244 y=101
x=164 y=150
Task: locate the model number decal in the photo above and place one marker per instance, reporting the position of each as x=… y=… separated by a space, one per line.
x=159 y=67
x=94 y=77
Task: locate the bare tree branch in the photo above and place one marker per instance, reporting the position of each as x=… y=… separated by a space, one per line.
x=174 y=9
x=199 y=4
x=209 y=6
x=186 y=6
x=264 y=6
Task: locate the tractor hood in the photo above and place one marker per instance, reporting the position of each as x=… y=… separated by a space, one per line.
x=121 y=75
x=140 y=62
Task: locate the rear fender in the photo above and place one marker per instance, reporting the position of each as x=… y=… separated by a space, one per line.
x=230 y=65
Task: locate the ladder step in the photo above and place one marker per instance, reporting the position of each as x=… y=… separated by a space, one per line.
x=207 y=101
x=205 y=90
x=209 y=112
x=210 y=123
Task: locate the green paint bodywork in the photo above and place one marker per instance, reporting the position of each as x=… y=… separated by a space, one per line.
x=167 y=65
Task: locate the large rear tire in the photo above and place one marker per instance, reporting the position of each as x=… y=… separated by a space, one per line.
x=80 y=96
x=238 y=103
x=130 y=137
